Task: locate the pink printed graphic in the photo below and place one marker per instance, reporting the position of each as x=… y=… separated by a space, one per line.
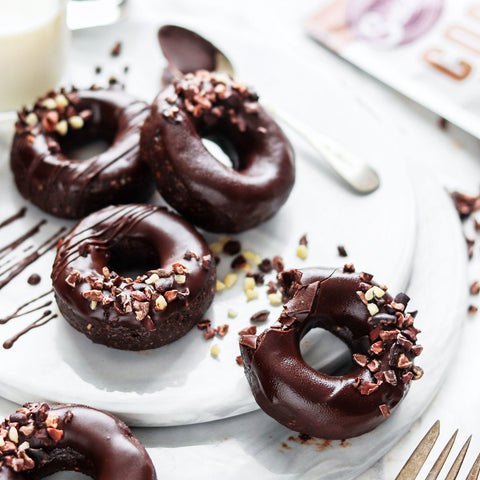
x=391 y=23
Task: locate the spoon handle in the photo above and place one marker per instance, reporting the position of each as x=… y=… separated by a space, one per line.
x=360 y=176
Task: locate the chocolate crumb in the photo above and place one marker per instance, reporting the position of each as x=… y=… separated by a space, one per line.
x=116 y=49
x=265 y=265
x=222 y=330
x=238 y=262
x=341 y=251
x=112 y=80
x=303 y=240
x=98 y=69
x=278 y=263
x=475 y=288
x=232 y=247
x=385 y=410
x=34 y=279
x=472 y=309
x=239 y=360
x=260 y=316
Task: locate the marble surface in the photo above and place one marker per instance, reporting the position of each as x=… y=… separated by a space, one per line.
x=450 y=156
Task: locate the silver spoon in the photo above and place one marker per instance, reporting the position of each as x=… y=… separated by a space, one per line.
x=187 y=51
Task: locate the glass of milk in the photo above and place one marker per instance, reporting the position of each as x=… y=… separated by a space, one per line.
x=34 y=41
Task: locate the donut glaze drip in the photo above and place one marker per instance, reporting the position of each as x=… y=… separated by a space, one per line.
x=73 y=188
x=381 y=338
x=148 y=311
x=71 y=437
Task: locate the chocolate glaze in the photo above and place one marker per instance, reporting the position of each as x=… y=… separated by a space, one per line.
x=136 y=231
x=72 y=188
x=209 y=194
x=312 y=402
x=92 y=442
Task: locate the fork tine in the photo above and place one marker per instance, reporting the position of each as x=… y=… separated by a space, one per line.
x=417 y=458
x=452 y=474
x=438 y=465
x=473 y=474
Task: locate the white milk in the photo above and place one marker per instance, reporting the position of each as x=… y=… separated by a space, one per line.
x=33 y=48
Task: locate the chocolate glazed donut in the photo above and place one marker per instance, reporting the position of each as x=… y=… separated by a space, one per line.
x=153 y=309
x=41 y=440
x=375 y=327
x=211 y=195
x=72 y=188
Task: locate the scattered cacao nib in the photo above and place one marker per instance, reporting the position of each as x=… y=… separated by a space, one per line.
x=232 y=247
x=407 y=378
x=348 y=268
x=112 y=80
x=417 y=372
x=272 y=287
x=116 y=49
x=98 y=69
x=390 y=377
x=366 y=277
x=252 y=330
x=341 y=251
x=206 y=262
x=126 y=69
x=278 y=263
x=239 y=360
x=360 y=359
x=257 y=276
x=465 y=204
x=303 y=240
x=476 y=225
x=367 y=388
x=238 y=262
x=221 y=330
x=470 y=245
x=472 y=309
x=209 y=332
x=475 y=288
x=34 y=279
x=265 y=265
x=203 y=324
x=402 y=298
x=260 y=316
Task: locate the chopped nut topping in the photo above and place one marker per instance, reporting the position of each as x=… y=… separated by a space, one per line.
x=222 y=330
x=232 y=313
x=160 y=303
x=180 y=278
x=275 y=299
x=475 y=288
x=31 y=119
x=13 y=434
x=230 y=279
x=93 y=304
x=49 y=103
x=252 y=257
x=152 y=279
x=251 y=294
x=372 y=309
x=62 y=127
x=302 y=252
x=215 y=350
x=220 y=286
x=76 y=122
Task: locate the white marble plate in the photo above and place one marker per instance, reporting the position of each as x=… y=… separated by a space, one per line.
x=255 y=445
x=182 y=383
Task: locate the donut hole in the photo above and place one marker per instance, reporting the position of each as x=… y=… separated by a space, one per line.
x=223 y=150
x=132 y=257
x=86 y=143
x=321 y=348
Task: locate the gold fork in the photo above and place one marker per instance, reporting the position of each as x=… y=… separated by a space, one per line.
x=417 y=458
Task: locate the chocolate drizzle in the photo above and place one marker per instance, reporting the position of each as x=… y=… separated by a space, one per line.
x=20 y=311
x=154 y=308
x=68 y=187
x=43 y=320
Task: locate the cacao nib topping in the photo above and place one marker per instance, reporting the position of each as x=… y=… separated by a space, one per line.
x=232 y=247
x=252 y=330
x=266 y=265
x=27 y=436
x=465 y=204
x=214 y=95
x=303 y=240
x=238 y=262
x=341 y=251
x=148 y=293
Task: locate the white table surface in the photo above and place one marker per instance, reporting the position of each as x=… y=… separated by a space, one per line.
x=451 y=155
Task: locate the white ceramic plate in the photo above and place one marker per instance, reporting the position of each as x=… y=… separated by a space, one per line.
x=182 y=383
x=256 y=446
